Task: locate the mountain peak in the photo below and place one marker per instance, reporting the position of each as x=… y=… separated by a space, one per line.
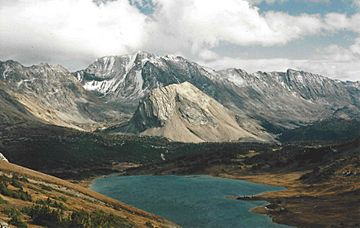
x=299 y=73
x=182 y=112
x=10 y=61
x=143 y=53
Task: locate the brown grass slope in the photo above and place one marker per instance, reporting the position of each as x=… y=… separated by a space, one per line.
x=42 y=187
x=323 y=190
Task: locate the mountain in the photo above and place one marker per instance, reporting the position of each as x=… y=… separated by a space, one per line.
x=108 y=92
x=12 y=112
x=51 y=94
x=126 y=79
x=182 y=112
x=275 y=100
x=290 y=99
x=48 y=114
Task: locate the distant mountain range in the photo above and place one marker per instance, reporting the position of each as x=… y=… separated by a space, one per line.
x=172 y=97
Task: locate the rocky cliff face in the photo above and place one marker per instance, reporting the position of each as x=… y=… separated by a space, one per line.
x=289 y=99
x=181 y=112
x=117 y=76
x=127 y=79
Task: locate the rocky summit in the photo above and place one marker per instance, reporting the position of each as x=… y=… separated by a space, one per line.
x=182 y=112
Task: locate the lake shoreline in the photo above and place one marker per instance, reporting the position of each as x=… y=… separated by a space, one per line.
x=301 y=203
x=252 y=178
x=243 y=186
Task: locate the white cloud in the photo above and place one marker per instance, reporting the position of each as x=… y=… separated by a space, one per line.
x=256 y=2
x=193 y=28
x=356 y=2
x=60 y=30
x=208 y=55
x=198 y=24
x=74 y=32
x=355 y=48
x=287 y=28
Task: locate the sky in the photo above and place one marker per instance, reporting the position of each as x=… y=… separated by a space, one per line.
x=319 y=36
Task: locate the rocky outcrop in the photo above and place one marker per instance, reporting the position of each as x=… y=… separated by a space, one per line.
x=3 y=158
x=182 y=112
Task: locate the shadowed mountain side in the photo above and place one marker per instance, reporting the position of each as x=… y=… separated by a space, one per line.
x=52 y=94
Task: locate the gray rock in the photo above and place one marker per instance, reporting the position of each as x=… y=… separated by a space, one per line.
x=182 y=112
x=3 y=158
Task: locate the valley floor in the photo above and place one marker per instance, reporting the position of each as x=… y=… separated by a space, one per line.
x=322 y=181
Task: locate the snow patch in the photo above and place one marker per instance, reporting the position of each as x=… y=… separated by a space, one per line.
x=4 y=74
x=162 y=157
x=139 y=81
x=236 y=80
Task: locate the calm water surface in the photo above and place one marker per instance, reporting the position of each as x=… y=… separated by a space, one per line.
x=190 y=201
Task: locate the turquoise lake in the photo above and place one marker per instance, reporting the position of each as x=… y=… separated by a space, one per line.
x=190 y=201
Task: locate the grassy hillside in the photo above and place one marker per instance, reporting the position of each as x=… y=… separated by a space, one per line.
x=29 y=198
